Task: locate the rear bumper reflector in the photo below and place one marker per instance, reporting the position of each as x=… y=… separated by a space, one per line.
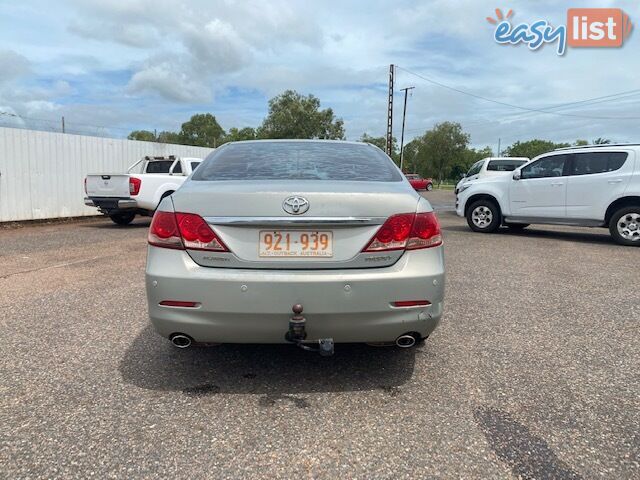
x=179 y=303
x=411 y=303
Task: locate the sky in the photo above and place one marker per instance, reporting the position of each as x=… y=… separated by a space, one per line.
x=112 y=66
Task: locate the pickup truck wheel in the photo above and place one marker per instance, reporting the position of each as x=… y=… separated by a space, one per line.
x=484 y=216
x=625 y=226
x=429 y=187
x=122 y=218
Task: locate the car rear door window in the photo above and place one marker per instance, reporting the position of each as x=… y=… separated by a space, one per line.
x=504 y=165
x=597 y=162
x=552 y=166
x=275 y=160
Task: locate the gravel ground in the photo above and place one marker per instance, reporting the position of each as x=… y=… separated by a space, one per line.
x=533 y=373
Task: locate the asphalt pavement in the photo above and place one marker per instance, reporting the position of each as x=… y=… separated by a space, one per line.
x=533 y=373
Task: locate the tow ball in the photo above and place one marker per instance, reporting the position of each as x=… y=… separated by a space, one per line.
x=298 y=334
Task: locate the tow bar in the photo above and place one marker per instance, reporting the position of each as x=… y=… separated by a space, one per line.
x=297 y=334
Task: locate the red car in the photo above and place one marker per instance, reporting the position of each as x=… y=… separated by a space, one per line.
x=418 y=182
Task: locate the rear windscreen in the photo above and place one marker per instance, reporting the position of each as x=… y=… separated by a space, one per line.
x=159 y=166
x=298 y=161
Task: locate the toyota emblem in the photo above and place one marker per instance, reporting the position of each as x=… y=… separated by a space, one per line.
x=295 y=205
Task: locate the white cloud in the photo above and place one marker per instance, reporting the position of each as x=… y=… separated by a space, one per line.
x=171 y=81
x=132 y=34
x=13 y=65
x=216 y=48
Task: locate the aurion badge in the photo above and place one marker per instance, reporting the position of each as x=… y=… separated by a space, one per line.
x=295 y=205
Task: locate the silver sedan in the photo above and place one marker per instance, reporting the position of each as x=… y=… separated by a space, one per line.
x=309 y=242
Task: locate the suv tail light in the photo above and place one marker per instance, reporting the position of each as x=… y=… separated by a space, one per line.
x=183 y=231
x=407 y=231
x=85 y=185
x=134 y=185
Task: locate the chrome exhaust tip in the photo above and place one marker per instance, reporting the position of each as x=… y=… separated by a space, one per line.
x=180 y=340
x=405 y=341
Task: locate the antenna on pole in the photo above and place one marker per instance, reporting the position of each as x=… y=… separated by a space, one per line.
x=404 y=114
x=390 y=112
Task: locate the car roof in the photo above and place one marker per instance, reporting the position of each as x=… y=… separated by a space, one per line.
x=599 y=146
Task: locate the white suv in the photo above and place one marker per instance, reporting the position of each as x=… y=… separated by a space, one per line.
x=491 y=166
x=593 y=186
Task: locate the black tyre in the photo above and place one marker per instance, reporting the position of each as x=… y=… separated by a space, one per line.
x=517 y=226
x=484 y=216
x=625 y=226
x=429 y=187
x=122 y=218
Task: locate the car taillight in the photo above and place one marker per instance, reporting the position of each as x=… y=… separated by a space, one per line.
x=85 y=185
x=134 y=185
x=425 y=232
x=164 y=232
x=409 y=231
x=183 y=231
x=197 y=234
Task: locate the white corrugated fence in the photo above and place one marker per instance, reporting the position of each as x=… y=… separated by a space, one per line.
x=42 y=173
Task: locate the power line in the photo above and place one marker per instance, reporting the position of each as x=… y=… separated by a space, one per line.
x=52 y=121
x=587 y=102
x=511 y=105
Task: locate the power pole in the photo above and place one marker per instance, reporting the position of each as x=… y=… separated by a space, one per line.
x=390 y=112
x=63 y=124
x=404 y=114
x=499 y=141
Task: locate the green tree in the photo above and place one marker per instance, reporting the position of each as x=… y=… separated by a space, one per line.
x=440 y=149
x=580 y=143
x=142 y=135
x=202 y=130
x=411 y=156
x=468 y=158
x=601 y=141
x=532 y=148
x=381 y=143
x=169 y=137
x=292 y=115
x=236 y=135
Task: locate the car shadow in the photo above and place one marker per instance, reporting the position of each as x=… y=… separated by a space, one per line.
x=152 y=363
x=532 y=232
x=109 y=225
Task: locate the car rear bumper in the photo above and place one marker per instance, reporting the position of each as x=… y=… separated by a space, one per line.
x=254 y=306
x=111 y=203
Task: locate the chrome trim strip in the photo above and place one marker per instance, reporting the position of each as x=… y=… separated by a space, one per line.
x=295 y=221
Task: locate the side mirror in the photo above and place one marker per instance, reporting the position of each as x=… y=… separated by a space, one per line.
x=464 y=175
x=517 y=175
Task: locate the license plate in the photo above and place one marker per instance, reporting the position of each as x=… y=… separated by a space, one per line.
x=296 y=243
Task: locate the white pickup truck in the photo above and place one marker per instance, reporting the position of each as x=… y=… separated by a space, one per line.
x=140 y=190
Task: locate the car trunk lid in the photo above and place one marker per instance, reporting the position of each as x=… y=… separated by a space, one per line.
x=251 y=218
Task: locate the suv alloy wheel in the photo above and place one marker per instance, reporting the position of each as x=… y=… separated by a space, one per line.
x=625 y=226
x=484 y=216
